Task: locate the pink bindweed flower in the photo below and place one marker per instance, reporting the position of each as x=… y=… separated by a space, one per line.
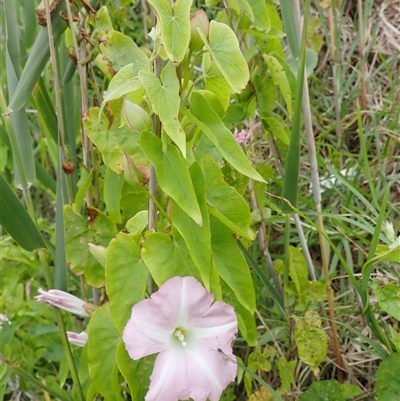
x=241 y=137
x=66 y=301
x=77 y=339
x=191 y=335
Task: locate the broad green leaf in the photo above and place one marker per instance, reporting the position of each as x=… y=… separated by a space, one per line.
x=112 y=189
x=164 y=99
x=314 y=291
x=211 y=124
x=136 y=373
x=286 y=373
x=388 y=298
x=311 y=340
x=118 y=145
x=102 y=348
x=246 y=321
x=83 y=185
x=136 y=224
x=388 y=379
x=175 y=26
x=235 y=213
x=298 y=269
x=122 y=83
x=224 y=49
x=215 y=81
x=83 y=372
x=78 y=233
x=172 y=174
x=311 y=62
x=122 y=263
x=16 y=221
x=231 y=264
x=395 y=338
x=258 y=359
x=103 y=21
x=119 y=50
x=278 y=128
x=331 y=390
x=266 y=93
x=387 y=254
x=280 y=79
x=166 y=257
x=261 y=18
x=198 y=239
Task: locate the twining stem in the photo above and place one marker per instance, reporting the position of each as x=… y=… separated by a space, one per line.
x=317 y=200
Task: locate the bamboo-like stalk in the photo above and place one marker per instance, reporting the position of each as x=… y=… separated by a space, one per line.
x=334 y=65
x=42 y=253
x=361 y=46
x=80 y=54
x=317 y=200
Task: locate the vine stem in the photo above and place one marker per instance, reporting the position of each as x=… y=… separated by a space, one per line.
x=317 y=200
x=158 y=64
x=42 y=253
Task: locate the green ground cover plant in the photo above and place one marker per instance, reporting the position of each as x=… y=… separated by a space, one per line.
x=206 y=193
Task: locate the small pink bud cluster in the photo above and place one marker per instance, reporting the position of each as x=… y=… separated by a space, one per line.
x=241 y=137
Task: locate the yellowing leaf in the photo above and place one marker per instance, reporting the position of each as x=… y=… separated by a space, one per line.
x=164 y=99
x=224 y=50
x=175 y=26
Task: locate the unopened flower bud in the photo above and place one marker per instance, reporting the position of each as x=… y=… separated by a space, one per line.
x=64 y=300
x=198 y=20
x=77 y=339
x=135 y=117
x=98 y=252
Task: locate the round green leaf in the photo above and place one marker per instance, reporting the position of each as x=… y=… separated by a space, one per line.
x=123 y=263
x=102 y=344
x=388 y=379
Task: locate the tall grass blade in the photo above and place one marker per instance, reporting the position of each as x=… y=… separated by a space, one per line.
x=16 y=221
x=290 y=26
x=60 y=274
x=271 y=290
x=290 y=181
x=46 y=108
x=58 y=394
x=12 y=33
x=37 y=60
x=20 y=137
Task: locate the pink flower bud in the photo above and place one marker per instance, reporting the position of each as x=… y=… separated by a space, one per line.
x=77 y=339
x=198 y=20
x=241 y=137
x=64 y=300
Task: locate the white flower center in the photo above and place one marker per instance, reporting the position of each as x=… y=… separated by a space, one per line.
x=180 y=336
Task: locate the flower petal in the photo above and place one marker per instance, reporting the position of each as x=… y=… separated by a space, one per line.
x=153 y=321
x=194 y=372
x=218 y=325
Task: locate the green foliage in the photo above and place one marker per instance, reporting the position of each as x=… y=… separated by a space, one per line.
x=387 y=379
x=311 y=340
x=330 y=390
x=122 y=260
x=158 y=113
x=102 y=348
